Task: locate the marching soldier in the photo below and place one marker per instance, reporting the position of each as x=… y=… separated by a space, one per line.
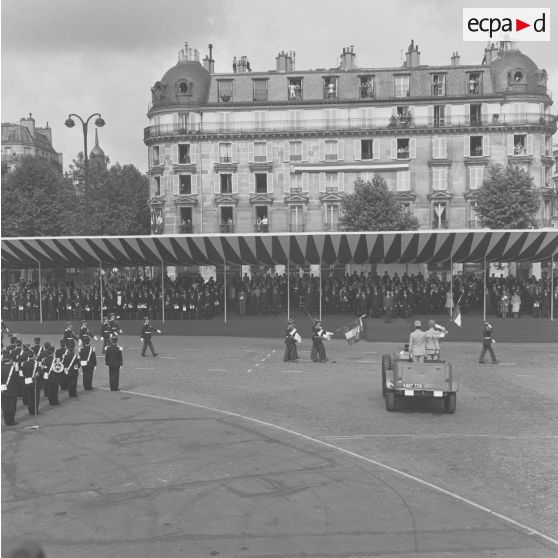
x=88 y=362
x=434 y=333
x=114 y=327
x=84 y=332
x=105 y=333
x=19 y=357
x=53 y=372
x=487 y=341
x=71 y=369
x=60 y=356
x=8 y=389
x=318 y=352
x=292 y=337
x=145 y=335
x=5 y=331
x=114 y=360
x=31 y=374
x=69 y=333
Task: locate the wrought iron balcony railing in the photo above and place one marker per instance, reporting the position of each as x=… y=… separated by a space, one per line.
x=296 y=227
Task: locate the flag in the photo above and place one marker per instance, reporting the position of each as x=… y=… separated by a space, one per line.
x=456 y=315
x=353 y=331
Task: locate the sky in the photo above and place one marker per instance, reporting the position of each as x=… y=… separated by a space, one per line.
x=75 y=56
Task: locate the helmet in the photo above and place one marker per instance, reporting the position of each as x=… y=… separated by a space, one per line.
x=418 y=323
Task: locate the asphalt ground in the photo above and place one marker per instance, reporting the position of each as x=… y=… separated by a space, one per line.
x=217 y=447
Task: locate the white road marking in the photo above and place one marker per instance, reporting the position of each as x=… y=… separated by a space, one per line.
x=507 y=364
x=369 y=353
x=366 y=361
x=418 y=480
x=216 y=370
x=173 y=358
x=291 y=371
x=492 y=436
x=249 y=370
x=143 y=368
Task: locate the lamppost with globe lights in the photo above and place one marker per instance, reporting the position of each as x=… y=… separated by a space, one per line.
x=99 y=122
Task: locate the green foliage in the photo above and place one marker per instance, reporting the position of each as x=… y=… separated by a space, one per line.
x=372 y=207
x=37 y=200
x=507 y=199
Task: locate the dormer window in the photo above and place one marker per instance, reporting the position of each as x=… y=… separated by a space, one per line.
x=183 y=88
x=366 y=87
x=330 y=88
x=474 y=83
x=438 y=85
x=295 y=89
x=225 y=91
x=518 y=76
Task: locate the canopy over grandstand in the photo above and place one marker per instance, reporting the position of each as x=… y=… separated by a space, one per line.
x=276 y=249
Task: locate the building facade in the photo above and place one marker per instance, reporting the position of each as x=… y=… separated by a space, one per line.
x=19 y=140
x=275 y=151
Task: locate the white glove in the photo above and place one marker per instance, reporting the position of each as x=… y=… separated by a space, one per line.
x=159 y=331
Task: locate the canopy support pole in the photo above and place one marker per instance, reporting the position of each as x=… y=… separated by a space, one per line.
x=552 y=288
x=225 y=287
x=288 y=289
x=451 y=289
x=484 y=290
x=163 y=290
x=101 y=287
x=40 y=295
x=320 y=288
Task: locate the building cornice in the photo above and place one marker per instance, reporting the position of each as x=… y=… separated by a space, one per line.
x=266 y=199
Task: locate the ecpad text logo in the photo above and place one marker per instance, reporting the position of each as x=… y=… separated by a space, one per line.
x=506 y=24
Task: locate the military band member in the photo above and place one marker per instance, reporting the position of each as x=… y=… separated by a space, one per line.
x=84 y=332
x=145 y=335
x=487 y=341
x=71 y=369
x=69 y=333
x=105 y=333
x=19 y=357
x=292 y=337
x=114 y=327
x=9 y=389
x=434 y=333
x=318 y=352
x=5 y=331
x=88 y=362
x=114 y=360
x=60 y=355
x=52 y=375
x=31 y=373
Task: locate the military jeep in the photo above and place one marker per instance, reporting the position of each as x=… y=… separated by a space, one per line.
x=403 y=378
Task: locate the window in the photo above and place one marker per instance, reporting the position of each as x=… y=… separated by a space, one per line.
x=439 y=148
x=331 y=150
x=474 y=84
x=296 y=223
x=185 y=184
x=518 y=76
x=404 y=116
x=402 y=86
x=366 y=87
x=157 y=180
x=475 y=116
x=332 y=182
x=225 y=91
x=440 y=216
x=403 y=181
x=225 y=153
x=296 y=183
x=475 y=143
x=546 y=177
x=476 y=177
x=262 y=224
x=183 y=121
x=260 y=152
x=547 y=146
x=183 y=88
x=474 y=220
x=227 y=224
x=330 y=88
x=367 y=149
x=295 y=150
x=184 y=154
x=260 y=118
x=156 y=160
x=438 y=85
x=520 y=144
x=186 y=226
x=439 y=115
x=331 y=217
x=294 y=89
x=407 y=207
x=520 y=113
x=260 y=89
x=439 y=178
x=261 y=183
x=402 y=148
x=226 y=183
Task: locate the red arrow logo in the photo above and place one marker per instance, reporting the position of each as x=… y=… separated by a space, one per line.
x=519 y=25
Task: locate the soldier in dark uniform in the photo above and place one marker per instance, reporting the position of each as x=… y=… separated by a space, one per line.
x=105 y=333
x=291 y=336
x=114 y=360
x=71 y=369
x=69 y=333
x=146 y=333
x=50 y=376
x=487 y=341
x=114 y=327
x=9 y=389
x=5 y=331
x=318 y=353
x=19 y=357
x=32 y=376
x=88 y=362
x=60 y=355
x=84 y=332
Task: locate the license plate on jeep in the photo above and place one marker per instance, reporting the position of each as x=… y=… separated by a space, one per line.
x=438 y=394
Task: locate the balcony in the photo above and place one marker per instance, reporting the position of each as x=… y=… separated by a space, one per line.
x=186 y=229
x=157 y=132
x=261 y=228
x=474 y=224
x=331 y=227
x=226 y=228
x=296 y=227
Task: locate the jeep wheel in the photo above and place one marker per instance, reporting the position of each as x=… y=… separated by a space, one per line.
x=386 y=365
x=390 y=400
x=449 y=402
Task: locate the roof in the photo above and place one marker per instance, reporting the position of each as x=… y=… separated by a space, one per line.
x=272 y=249
x=16 y=133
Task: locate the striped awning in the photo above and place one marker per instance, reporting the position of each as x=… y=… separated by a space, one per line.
x=272 y=249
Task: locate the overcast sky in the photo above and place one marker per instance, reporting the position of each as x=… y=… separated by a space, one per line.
x=62 y=56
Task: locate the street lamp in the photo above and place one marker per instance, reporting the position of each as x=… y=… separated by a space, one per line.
x=99 y=122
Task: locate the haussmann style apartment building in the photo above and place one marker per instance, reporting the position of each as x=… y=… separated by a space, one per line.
x=275 y=151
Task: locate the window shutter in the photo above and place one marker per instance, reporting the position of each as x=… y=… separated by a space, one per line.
x=166 y=184
x=484 y=111
x=393 y=111
x=529 y=144
x=412 y=112
x=447 y=115
x=235 y=153
x=466 y=146
x=286 y=178
x=269 y=152
x=413 y=148
x=270 y=183
x=194 y=183
x=376 y=153
x=322 y=150
x=443 y=148
x=193 y=153
x=305 y=181
x=252 y=183
x=435 y=148
x=340 y=150
x=150 y=157
x=358 y=149
x=322 y=181
x=286 y=152
x=175 y=154
x=217 y=183
x=485 y=145
x=175 y=181
x=216 y=152
x=430 y=115
x=510 y=144
x=235 y=183
x=168 y=154
x=341 y=181
x=393 y=148
x=305 y=151
x=250 y=151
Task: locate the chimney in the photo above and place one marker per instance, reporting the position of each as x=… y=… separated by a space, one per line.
x=490 y=54
x=208 y=62
x=281 y=61
x=29 y=123
x=348 y=58
x=46 y=132
x=413 y=56
x=455 y=59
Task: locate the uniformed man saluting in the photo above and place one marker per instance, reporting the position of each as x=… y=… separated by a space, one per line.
x=145 y=335
x=114 y=360
x=417 y=343
x=487 y=341
x=292 y=337
x=88 y=362
x=105 y=333
x=69 y=333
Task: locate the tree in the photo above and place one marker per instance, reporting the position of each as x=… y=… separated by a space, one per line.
x=37 y=200
x=372 y=207
x=507 y=199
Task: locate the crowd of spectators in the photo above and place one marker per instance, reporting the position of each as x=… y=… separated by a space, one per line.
x=189 y=297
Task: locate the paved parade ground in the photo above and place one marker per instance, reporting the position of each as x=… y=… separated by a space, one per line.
x=217 y=447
